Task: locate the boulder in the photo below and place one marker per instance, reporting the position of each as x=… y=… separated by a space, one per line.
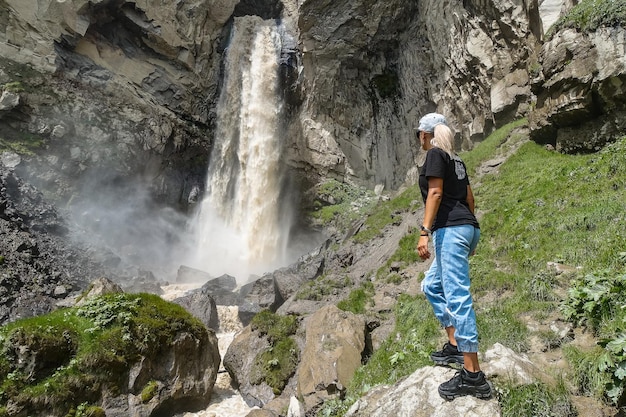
x=202 y=306
x=183 y=377
x=98 y=287
x=335 y=341
x=417 y=396
x=239 y=362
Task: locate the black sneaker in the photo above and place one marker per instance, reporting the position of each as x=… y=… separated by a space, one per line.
x=463 y=384
x=449 y=354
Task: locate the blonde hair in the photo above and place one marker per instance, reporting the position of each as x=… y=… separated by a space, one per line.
x=443 y=139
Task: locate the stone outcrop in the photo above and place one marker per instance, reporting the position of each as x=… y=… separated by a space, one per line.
x=334 y=345
x=580 y=92
x=184 y=373
x=416 y=395
x=39 y=268
x=239 y=361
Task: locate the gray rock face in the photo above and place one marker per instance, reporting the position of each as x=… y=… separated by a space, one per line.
x=335 y=341
x=239 y=361
x=357 y=75
x=39 y=268
x=185 y=374
x=580 y=93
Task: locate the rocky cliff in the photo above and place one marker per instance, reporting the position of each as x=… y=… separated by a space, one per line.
x=144 y=76
x=109 y=107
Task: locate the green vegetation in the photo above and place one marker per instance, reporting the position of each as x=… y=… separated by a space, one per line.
x=86 y=410
x=25 y=144
x=322 y=287
x=13 y=87
x=405 y=254
x=416 y=334
x=358 y=299
x=340 y=204
x=597 y=301
x=149 y=391
x=493 y=146
x=388 y=212
x=568 y=209
x=590 y=15
x=51 y=361
x=536 y=399
x=540 y=207
x=278 y=363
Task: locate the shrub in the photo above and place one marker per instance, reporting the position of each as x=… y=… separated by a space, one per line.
x=598 y=301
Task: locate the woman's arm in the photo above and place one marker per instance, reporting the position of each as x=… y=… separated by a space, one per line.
x=470 y=198
x=433 y=201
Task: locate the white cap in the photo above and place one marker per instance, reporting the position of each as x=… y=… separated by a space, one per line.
x=428 y=122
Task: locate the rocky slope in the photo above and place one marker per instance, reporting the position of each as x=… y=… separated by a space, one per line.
x=108 y=108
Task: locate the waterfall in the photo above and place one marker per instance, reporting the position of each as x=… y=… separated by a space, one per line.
x=243 y=227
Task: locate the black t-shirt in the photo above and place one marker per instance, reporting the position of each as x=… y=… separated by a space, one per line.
x=454 y=210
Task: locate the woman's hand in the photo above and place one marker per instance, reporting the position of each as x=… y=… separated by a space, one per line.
x=422 y=247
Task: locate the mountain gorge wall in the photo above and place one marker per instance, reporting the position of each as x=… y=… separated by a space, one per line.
x=109 y=107
x=357 y=77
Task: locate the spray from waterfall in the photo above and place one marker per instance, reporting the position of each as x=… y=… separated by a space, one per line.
x=242 y=223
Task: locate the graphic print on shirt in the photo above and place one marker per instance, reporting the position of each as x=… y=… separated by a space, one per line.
x=459 y=168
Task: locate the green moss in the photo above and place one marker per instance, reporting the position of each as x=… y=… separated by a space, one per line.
x=86 y=410
x=278 y=363
x=274 y=325
x=149 y=391
x=82 y=350
x=13 y=87
x=2 y=259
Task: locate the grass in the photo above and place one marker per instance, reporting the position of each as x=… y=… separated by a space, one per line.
x=535 y=400
x=492 y=146
x=541 y=206
x=564 y=208
x=49 y=362
x=589 y=15
x=340 y=204
x=388 y=212
x=358 y=299
x=414 y=337
x=323 y=286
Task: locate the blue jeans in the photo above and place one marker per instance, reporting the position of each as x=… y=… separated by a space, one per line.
x=447 y=283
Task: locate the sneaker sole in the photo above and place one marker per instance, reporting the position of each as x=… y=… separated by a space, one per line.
x=481 y=395
x=448 y=361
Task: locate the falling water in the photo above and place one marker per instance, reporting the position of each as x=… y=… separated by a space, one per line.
x=242 y=230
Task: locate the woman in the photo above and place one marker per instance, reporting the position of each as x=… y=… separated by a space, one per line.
x=449 y=219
